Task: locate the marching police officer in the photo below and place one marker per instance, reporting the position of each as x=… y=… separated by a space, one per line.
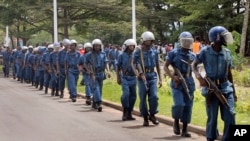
x=71 y=69
x=21 y=59
x=61 y=61
x=40 y=68
x=28 y=65
x=217 y=63
x=82 y=67
x=181 y=59
x=113 y=57
x=47 y=71
x=146 y=60
x=127 y=78
x=97 y=61
x=54 y=67
x=6 y=61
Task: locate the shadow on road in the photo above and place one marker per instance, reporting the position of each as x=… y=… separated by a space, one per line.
x=171 y=137
x=138 y=126
x=117 y=120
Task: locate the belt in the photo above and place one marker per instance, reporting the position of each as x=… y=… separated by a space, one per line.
x=219 y=81
x=73 y=67
x=149 y=70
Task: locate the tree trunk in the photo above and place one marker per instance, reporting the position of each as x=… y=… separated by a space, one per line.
x=65 y=23
x=244 y=29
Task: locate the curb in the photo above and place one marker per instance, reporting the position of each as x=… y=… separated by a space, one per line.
x=163 y=119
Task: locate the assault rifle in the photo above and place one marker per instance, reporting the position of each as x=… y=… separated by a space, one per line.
x=183 y=82
x=214 y=89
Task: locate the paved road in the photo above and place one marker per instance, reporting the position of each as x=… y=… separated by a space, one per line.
x=27 y=114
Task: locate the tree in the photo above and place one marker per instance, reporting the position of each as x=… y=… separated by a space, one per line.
x=244 y=29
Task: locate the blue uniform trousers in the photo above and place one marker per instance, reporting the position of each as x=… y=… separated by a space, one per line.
x=54 y=82
x=36 y=77
x=47 y=78
x=41 y=78
x=151 y=93
x=227 y=116
x=128 y=97
x=182 y=108
x=87 y=80
x=18 y=73
x=96 y=87
x=14 y=70
x=62 y=78
x=27 y=73
x=6 y=69
x=72 y=83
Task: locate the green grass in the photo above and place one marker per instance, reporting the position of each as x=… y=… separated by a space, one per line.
x=112 y=92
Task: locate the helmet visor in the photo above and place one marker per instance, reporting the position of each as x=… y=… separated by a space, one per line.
x=187 y=43
x=228 y=37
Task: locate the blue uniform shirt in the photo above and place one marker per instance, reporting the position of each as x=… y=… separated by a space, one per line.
x=97 y=60
x=61 y=58
x=113 y=54
x=150 y=58
x=54 y=58
x=215 y=64
x=124 y=62
x=176 y=57
x=73 y=59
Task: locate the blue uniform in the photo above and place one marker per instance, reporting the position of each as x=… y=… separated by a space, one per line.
x=98 y=62
x=86 y=77
x=17 y=63
x=182 y=108
x=150 y=61
x=21 y=58
x=54 y=76
x=40 y=71
x=128 y=80
x=113 y=58
x=6 y=65
x=61 y=62
x=36 y=70
x=47 y=76
x=72 y=59
x=215 y=65
x=28 y=68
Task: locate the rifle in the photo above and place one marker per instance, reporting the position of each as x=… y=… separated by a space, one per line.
x=138 y=66
x=183 y=82
x=90 y=71
x=214 y=89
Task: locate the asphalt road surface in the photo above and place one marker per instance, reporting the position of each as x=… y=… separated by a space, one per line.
x=27 y=114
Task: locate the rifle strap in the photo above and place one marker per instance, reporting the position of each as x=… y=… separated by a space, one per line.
x=227 y=68
x=142 y=60
x=127 y=65
x=93 y=60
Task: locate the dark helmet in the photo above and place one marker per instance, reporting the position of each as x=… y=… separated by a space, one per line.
x=220 y=34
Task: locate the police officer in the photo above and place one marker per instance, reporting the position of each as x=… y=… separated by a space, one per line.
x=127 y=78
x=113 y=57
x=35 y=66
x=31 y=62
x=71 y=69
x=54 y=67
x=61 y=61
x=40 y=68
x=28 y=65
x=83 y=68
x=217 y=62
x=16 y=62
x=6 y=61
x=97 y=61
x=181 y=59
x=145 y=61
x=47 y=71
x=21 y=59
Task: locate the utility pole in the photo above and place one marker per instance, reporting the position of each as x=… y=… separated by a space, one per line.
x=55 y=21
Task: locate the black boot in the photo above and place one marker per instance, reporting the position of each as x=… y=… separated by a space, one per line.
x=41 y=87
x=73 y=99
x=57 y=93
x=145 y=122
x=129 y=116
x=61 y=95
x=176 y=127
x=125 y=114
x=184 y=132
x=94 y=106
x=88 y=100
x=153 y=119
x=99 y=106
x=52 y=92
x=46 y=91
